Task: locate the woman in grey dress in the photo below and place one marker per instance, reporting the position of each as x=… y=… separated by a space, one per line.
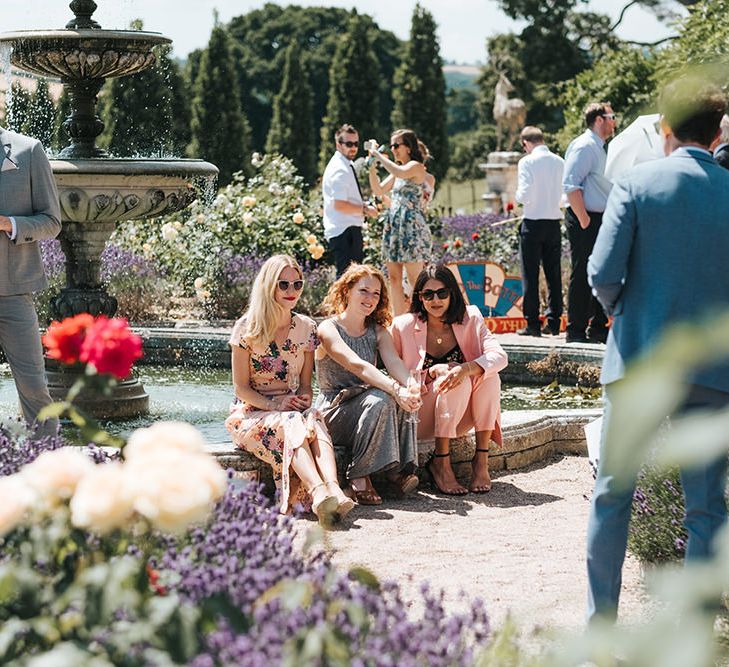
x=364 y=409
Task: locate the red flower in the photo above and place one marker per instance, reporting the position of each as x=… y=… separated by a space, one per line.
x=153 y=577
x=111 y=347
x=445 y=246
x=475 y=236
x=457 y=243
x=63 y=339
x=509 y=206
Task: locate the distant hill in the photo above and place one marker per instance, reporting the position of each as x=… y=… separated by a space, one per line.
x=460 y=76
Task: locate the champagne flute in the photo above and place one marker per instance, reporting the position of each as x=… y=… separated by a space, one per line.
x=292 y=379
x=413 y=387
x=441 y=398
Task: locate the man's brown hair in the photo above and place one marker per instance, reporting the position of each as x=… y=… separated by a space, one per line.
x=345 y=129
x=693 y=109
x=532 y=134
x=594 y=110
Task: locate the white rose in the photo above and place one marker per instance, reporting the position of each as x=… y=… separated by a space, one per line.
x=311 y=239
x=220 y=200
x=54 y=475
x=200 y=218
x=168 y=438
x=177 y=225
x=288 y=189
x=146 y=248
x=17 y=498
x=103 y=499
x=256 y=159
x=298 y=217
x=317 y=251
x=248 y=217
x=176 y=495
x=169 y=233
x=248 y=201
x=199 y=282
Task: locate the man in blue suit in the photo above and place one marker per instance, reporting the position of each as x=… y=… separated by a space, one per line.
x=665 y=231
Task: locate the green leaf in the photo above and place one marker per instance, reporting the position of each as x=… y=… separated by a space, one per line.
x=54 y=410
x=365 y=577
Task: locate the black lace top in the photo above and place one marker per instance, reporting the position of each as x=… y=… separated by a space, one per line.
x=453 y=356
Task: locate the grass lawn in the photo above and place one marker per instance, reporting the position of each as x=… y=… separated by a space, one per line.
x=460 y=196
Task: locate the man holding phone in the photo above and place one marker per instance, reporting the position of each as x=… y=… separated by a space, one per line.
x=344 y=206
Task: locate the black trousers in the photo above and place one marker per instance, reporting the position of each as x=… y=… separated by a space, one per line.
x=540 y=242
x=583 y=309
x=347 y=248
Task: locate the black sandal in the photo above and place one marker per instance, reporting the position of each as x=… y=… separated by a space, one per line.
x=430 y=460
x=483 y=488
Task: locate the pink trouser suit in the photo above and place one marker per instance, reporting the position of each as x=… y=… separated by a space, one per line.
x=473 y=404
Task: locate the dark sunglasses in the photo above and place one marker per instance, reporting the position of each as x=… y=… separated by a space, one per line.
x=284 y=285
x=609 y=116
x=395 y=146
x=430 y=294
x=350 y=144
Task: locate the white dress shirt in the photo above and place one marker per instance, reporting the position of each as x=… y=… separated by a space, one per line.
x=339 y=182
x=539 y=186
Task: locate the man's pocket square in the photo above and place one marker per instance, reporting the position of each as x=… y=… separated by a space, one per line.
x=8 y=165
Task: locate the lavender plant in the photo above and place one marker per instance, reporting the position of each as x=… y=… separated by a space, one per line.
x=480 y=237
x=18 y=446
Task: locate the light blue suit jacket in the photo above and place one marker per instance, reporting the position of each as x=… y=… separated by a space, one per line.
x=661 y=256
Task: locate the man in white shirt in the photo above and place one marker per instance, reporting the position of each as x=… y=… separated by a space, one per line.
x=539 y=189
x=344 y=205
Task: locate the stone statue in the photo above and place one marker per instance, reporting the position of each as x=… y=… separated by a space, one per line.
x=509 y=114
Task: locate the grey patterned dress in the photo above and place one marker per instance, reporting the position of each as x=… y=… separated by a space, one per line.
x=406 y=235
x=364 y=419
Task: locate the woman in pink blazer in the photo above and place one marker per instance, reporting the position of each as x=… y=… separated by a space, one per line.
x=461 y=360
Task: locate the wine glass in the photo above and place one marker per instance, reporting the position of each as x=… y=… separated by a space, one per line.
x=441 y=398
x=413 y=387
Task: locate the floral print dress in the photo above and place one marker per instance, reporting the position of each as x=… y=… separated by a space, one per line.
x=406 y=235
x=273 y=435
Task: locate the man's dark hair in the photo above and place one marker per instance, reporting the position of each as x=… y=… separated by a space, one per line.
x=345 y=129
x=457 y=306
x=594 y=110
x=532 y=134
x=693 y=109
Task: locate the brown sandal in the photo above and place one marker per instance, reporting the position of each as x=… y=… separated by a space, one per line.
x=367 y=496
x=405 y=482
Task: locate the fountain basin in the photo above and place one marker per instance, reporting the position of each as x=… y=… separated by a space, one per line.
x=83 y=54
x=112 y=190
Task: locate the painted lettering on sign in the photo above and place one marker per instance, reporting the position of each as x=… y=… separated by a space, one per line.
x=486 y=285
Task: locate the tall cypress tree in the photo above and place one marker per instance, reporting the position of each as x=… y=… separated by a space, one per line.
x=63 y=110
x=137 y=109
x=420 y=91
x=17 y=106
x=354 y=80
x=41 y=115
x=292 y=132
x=220 y=131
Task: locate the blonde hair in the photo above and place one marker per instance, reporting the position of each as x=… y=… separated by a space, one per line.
x=263 y=311
x=338 y=295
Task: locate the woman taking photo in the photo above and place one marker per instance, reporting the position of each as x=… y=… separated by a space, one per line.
x=364 y=409
x=273 y=359
x=460 y=360
x=406 y=242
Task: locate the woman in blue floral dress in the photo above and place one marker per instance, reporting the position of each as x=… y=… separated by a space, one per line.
x=272 y=418
x=406 y=242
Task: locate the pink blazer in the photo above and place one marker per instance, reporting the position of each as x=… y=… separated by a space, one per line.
x=475 y=340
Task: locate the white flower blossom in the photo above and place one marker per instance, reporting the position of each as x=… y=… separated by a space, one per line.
x=199 y=282
x=249 y=201
x=298 y=217
x=169 y=233
x=17 y=499
x=55 y=474
x=248 y=217
x=103 y=499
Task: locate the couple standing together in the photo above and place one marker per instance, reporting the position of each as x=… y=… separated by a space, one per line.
x=406 y=239
x=441 y=362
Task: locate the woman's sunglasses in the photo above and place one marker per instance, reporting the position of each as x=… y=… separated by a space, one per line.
x=430 y=294
x=284 y=285
x=395 y=146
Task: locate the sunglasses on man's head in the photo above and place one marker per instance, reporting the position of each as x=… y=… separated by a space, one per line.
x=350 y=144
x=284 y=285
x=430 y=294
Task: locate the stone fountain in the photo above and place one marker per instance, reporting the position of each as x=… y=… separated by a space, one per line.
x=95 y=190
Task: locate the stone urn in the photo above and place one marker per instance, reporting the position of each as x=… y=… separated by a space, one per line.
x=501 y=179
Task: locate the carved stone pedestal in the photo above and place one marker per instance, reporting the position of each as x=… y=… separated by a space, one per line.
x=501 y=179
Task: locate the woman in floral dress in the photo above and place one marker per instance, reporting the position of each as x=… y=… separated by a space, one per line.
x=406 y=242
x=273 y=360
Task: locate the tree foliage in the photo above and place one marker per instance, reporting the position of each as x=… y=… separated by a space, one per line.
x=353 y=87
x=261 y=38
x=220 y=130
x=419 y=86
x=17 y=106
x=292 y=132
x=137 y=110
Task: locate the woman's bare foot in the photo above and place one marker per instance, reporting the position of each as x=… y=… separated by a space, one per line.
x=480 y=479
x=443 y=476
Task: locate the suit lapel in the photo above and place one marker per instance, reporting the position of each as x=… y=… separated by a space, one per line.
x=420 y=332
x=459 y=331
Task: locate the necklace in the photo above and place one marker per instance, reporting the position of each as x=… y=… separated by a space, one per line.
x=439 y=336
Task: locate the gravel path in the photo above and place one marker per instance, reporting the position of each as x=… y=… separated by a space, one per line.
x=520 y=548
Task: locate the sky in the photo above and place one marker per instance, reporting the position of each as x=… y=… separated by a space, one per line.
x=463 y=25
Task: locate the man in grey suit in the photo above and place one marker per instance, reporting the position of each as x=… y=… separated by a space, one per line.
x=29 y=212
x=665 y=231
